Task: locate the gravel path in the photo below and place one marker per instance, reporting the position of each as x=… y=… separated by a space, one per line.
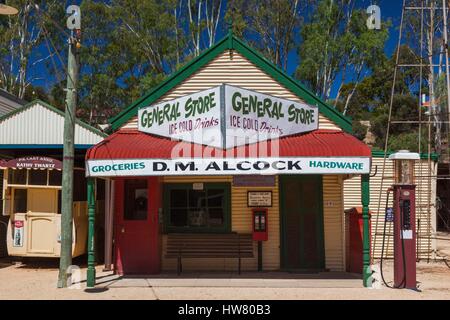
x=31 y=281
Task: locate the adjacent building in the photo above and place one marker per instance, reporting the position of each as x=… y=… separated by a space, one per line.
x=31 y=144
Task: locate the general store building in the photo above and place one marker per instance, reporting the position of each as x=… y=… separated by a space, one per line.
x=165 y=181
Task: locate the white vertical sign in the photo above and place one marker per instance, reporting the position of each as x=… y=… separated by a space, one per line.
x=252 y=116
x=193 y=118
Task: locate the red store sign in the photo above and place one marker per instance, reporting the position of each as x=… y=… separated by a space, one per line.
x=34 y=163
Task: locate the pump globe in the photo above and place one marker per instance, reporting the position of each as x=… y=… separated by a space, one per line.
x=7 y=10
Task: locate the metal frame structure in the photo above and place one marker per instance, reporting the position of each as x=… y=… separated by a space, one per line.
x=433 y=117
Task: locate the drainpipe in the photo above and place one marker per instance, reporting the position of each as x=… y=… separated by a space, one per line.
x=90 y=282
x=365 y=200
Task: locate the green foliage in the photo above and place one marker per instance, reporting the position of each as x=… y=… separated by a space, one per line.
x=408 y=141
x=401 y=135
x=359 y=130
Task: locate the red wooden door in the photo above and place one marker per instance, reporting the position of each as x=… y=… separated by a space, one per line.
x=136 y=226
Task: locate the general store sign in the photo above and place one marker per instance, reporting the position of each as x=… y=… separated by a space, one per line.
x=231 y=166
x=227 y=116
x=193 y=118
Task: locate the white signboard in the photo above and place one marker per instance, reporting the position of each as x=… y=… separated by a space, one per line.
x=252 y=116
x=193 y=118
x=227 y=116
x=231 y=166
x=259 y=198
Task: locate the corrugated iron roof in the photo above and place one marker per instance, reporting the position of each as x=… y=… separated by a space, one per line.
x=133 y=144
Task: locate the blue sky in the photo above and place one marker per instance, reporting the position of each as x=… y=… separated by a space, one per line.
x=390 y=10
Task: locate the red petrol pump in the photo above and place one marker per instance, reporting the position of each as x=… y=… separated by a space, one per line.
x=403 y=216
x=404 y=236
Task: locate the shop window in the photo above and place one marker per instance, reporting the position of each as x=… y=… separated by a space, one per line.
x=135 y=200
x=37 y=177
x=55 y=178
x=17 y=176
x=41 y=177
x=20 y=201
x=192 y=210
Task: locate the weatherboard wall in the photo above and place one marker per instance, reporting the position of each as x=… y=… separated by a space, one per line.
x=236 y=70
x=241 y=221
x=425 y=204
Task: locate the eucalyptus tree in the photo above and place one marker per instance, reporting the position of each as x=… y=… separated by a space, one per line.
x=21 y=35
x=270 y=26
x=337 y=47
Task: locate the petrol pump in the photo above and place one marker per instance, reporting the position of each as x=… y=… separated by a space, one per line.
x=260 y=231
x=404 y=217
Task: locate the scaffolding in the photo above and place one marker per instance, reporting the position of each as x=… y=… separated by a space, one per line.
x=433 y=15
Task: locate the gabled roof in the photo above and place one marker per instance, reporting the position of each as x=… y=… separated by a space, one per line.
x=227 y=43
x=11 y=97
x=9 y=102
x=28 y=126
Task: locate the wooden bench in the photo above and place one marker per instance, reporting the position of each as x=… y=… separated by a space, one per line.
x=209 y=245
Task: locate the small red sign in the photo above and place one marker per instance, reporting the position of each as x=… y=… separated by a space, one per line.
x=18 y=224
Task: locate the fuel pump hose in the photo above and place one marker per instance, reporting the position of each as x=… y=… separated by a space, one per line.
x=403 y=283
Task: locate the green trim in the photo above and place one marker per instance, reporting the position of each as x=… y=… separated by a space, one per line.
x=365 y=201
x=232 y=42
x=380 y=154
x=292 y=84
x=90 y=279
x=176 y=78
x=320 y=224
x=226 y=228
x=52 y=108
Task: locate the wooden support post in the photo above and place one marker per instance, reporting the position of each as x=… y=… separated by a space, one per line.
x=109 y=217
x=91 y=233
x=365 y=200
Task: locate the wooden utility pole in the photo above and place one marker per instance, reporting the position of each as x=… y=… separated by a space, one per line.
x=68 y=159
x=444 y=11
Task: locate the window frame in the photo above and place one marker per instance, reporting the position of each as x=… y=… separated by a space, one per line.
x=226 y=228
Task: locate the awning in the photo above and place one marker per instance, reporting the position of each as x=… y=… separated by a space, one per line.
x=119 y=154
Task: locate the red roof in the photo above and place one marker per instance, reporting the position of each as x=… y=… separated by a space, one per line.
x=133 y=144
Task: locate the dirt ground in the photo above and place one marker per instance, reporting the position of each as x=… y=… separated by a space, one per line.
x=37 y=280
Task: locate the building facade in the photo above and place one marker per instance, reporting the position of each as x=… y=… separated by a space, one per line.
x=164 y=185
